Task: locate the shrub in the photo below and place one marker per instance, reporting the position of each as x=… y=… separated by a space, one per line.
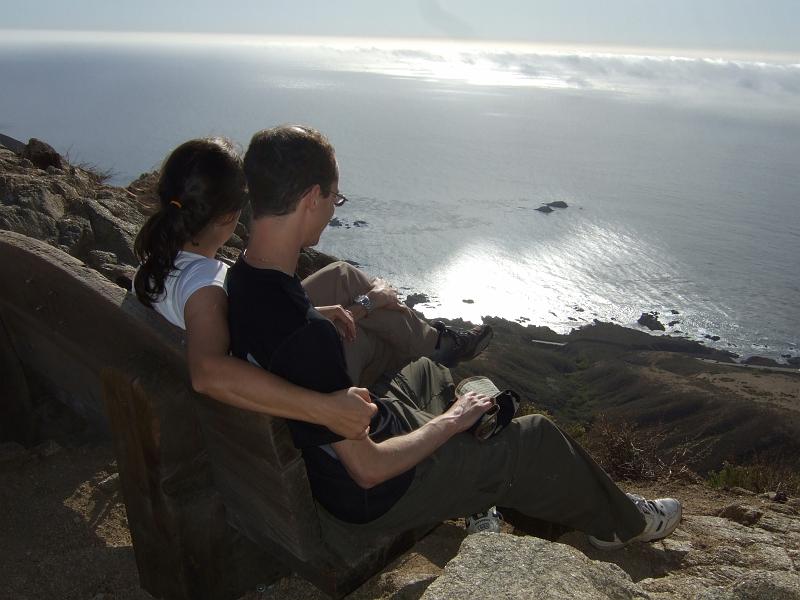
x=760 y=476
x=628 y=453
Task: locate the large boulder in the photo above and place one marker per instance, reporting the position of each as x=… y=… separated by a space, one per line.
x=42 y=154
x=491 y=566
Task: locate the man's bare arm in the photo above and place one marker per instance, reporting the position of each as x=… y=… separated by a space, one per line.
x=370 y=464
x=227 y=379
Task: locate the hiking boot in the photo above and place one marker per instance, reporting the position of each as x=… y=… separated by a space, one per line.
x=484 y=521
x=661 y=518
x=455 y=346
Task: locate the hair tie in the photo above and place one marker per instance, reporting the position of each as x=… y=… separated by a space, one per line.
x=176 y=203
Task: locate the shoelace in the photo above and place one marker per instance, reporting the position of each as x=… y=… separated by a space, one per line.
x=650 y=509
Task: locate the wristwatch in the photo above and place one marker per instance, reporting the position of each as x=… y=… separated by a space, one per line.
x=364 y=301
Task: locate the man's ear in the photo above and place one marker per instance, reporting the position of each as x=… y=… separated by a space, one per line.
x=312 y=197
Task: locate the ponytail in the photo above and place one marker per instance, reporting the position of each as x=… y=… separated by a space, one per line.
x=200 y=181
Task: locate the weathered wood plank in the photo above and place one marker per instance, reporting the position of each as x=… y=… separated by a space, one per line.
x=90 y=340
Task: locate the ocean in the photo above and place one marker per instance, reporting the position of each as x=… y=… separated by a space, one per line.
x=679 y=172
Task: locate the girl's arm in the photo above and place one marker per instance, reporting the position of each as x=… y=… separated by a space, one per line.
x=232 y=381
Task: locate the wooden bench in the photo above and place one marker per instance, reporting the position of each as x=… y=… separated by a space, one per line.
x=217 y=498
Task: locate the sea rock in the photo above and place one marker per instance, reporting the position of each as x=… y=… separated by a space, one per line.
x=468 y=301
x=544 y=209
x=713 y=338
x=650 y=320
x=672 y=323
x=42 y=154
x=492 y=566
x=359 y=223
x=557 y=204
x=335 y=222
x=413 y=299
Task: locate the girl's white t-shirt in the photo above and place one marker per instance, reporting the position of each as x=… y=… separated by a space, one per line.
x=192 y=272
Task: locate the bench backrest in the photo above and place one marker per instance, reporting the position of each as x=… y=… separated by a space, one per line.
x=217 y=497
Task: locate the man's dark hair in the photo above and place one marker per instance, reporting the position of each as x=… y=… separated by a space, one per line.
x=283 y=163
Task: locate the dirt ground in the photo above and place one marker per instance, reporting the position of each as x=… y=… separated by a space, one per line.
x=64 y=532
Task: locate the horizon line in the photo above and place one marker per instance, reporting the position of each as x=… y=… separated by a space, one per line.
x=122 y=36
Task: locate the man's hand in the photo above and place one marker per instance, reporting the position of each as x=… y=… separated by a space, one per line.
x=383 y=295
x=342 y=319
x=466 y=410
x=352 y=410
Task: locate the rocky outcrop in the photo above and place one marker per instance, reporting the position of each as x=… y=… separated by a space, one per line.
x=650 y=320
x=69 y=207
x=731 y=545
x=489 y=566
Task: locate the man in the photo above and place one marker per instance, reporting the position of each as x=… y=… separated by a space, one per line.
x=418 y=466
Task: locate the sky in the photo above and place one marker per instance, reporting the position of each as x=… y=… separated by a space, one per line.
x=757 y=26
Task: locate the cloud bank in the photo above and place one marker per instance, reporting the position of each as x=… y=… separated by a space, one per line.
x=662 y=77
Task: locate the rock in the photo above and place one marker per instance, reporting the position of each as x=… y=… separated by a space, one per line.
x=795 y=361
x=95 y=258
x=544 y=209
x=767 y=584
x=557 y=204
x=673 y=323
x=468 y=301
x=42 y=155
x=312 y=260
x=741 y=514
x=674 y=312
x=68 y=208
x=360 y=223
x=12 y=144
x=713 y=338
x=499 y=565
x=413 y=299
x=110 y=484
x=650 y=320
x=760 y=361
x=122 y=275
x=335 y=222
x=779 y=497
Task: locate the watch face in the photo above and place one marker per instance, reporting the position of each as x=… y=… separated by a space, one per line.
x=364 y=301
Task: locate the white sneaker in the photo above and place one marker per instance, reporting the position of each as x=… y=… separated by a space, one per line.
x=484 y=521
x=661 y=518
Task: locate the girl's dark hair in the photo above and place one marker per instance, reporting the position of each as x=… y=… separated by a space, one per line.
x=200 y=181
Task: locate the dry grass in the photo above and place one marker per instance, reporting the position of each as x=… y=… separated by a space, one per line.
x=759 y=476
x=627 y=453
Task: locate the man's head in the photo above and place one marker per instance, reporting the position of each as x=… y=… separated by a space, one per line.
x=284 y=164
